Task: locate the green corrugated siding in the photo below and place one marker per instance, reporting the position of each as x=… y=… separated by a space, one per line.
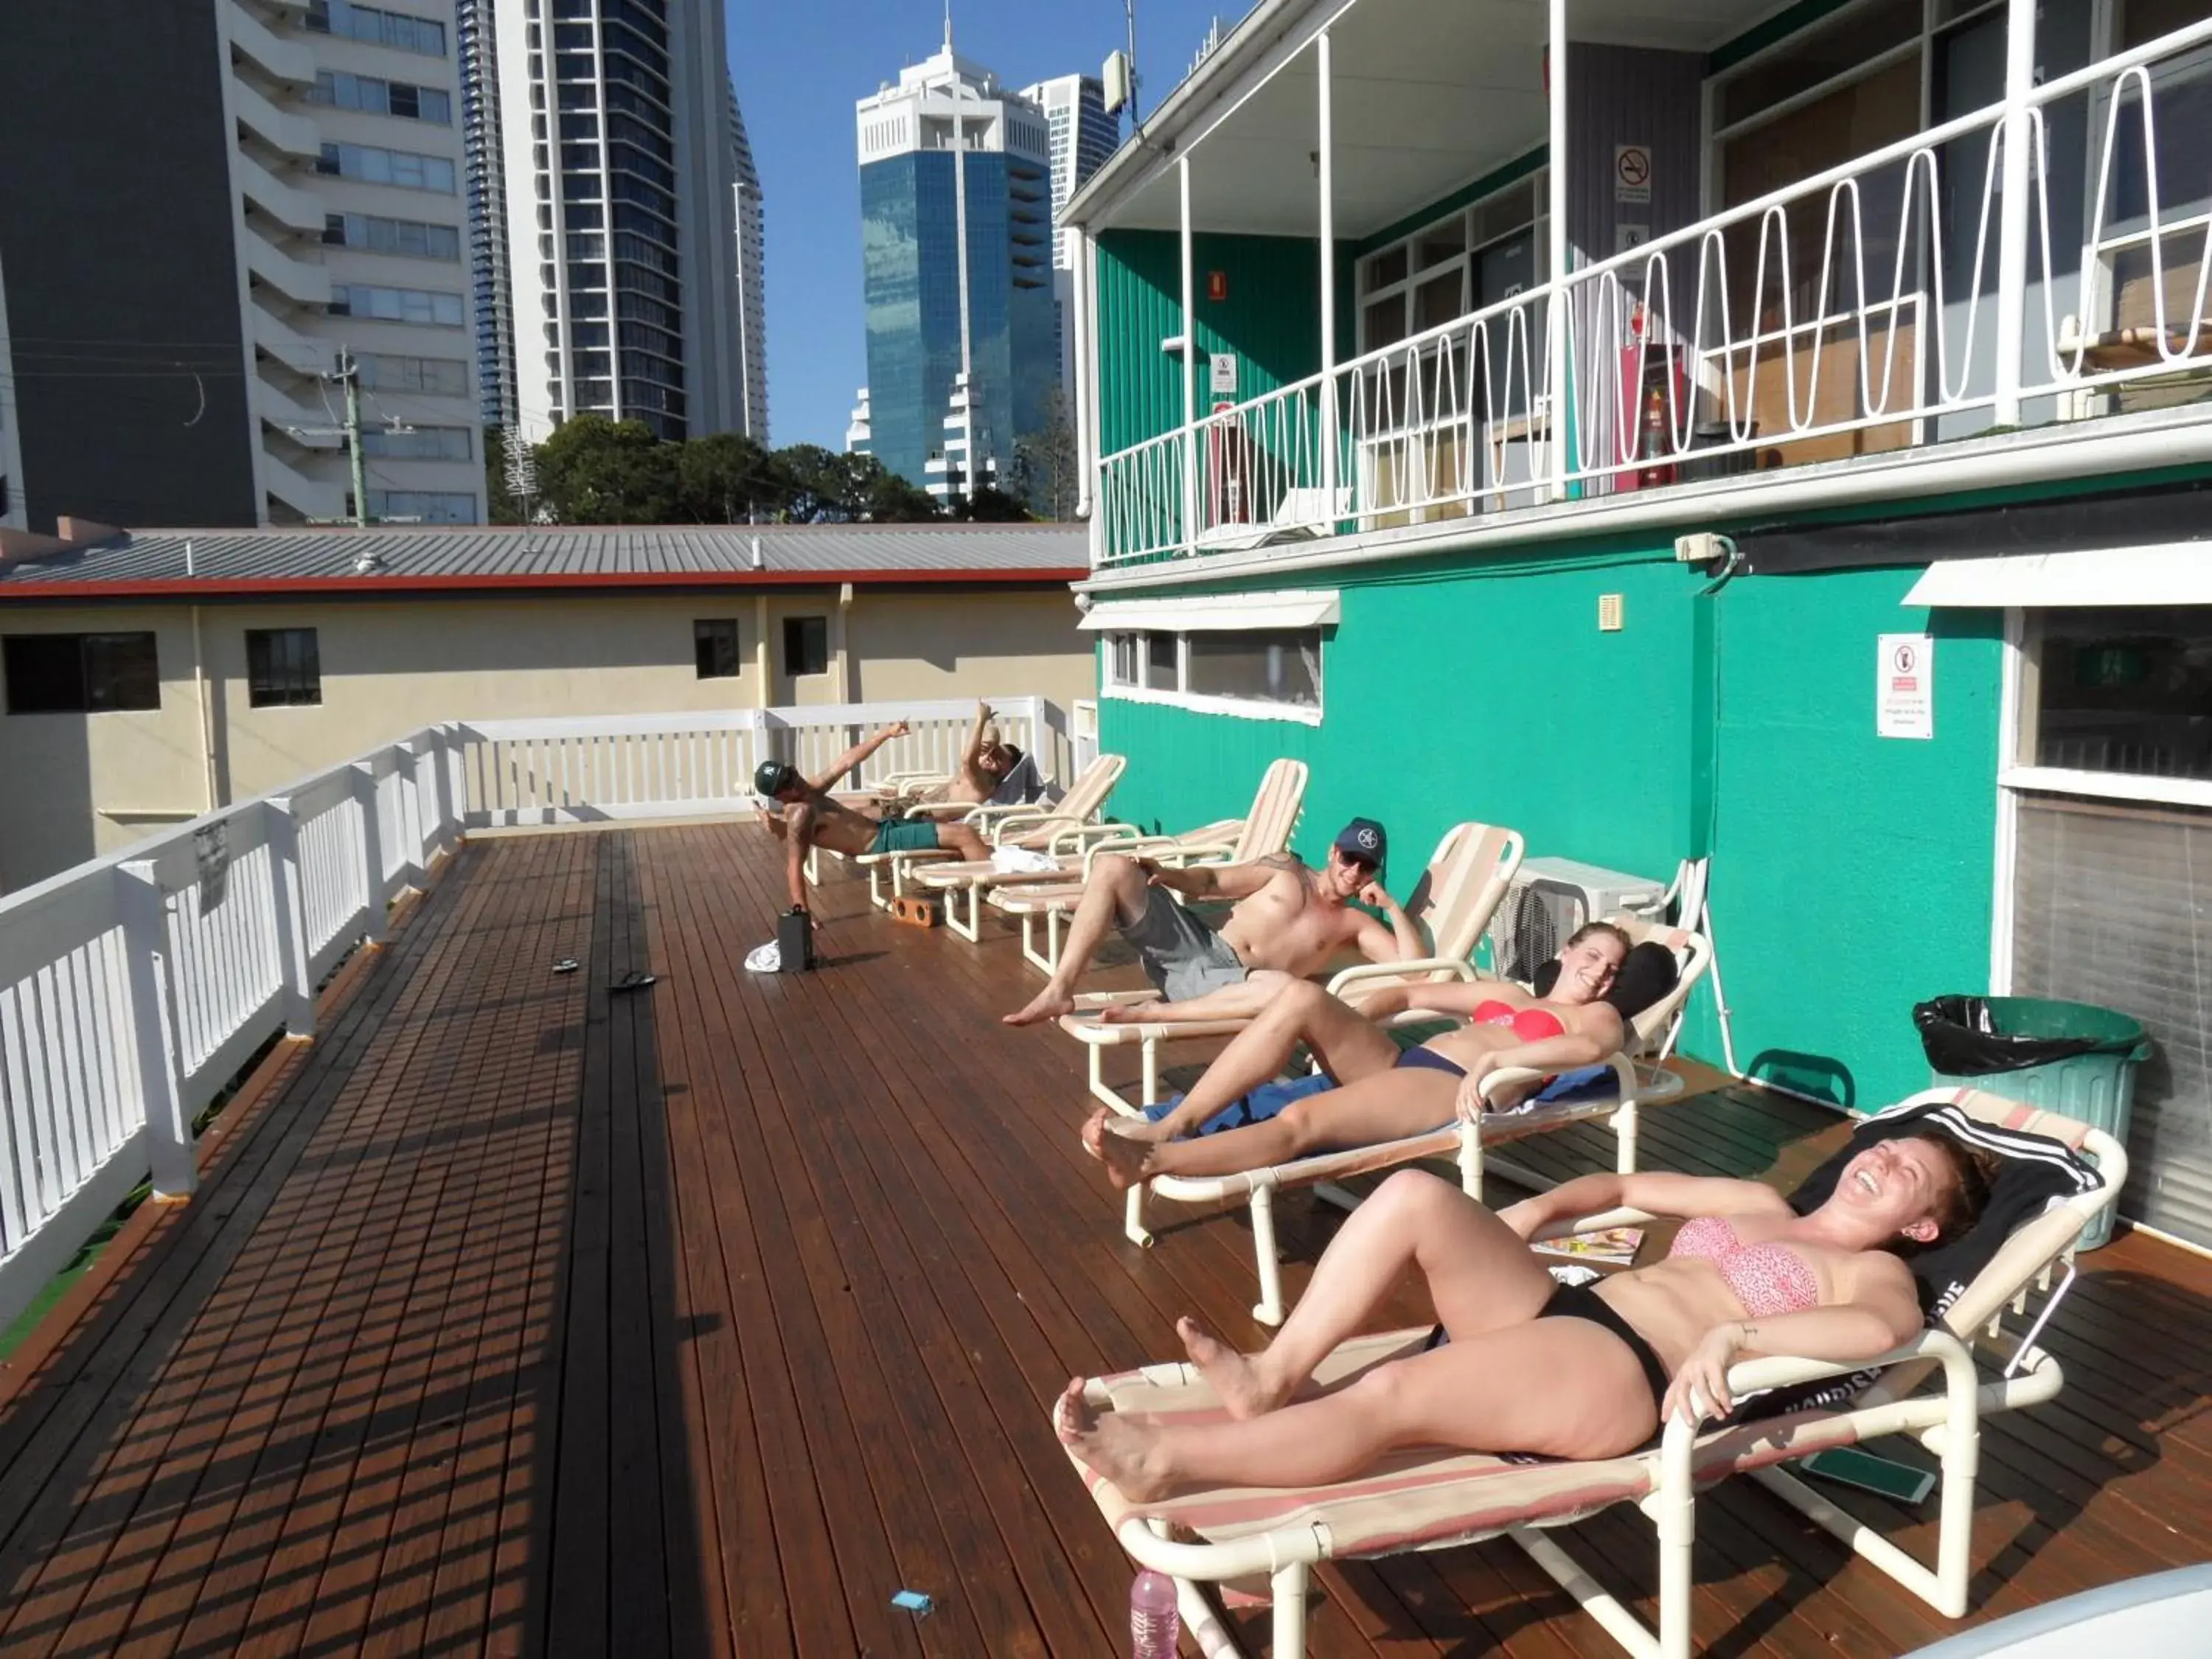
x=1271 y=320
x=1852 y=873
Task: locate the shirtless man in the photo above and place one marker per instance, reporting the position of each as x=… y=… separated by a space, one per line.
x=1288 y=922
x=987 y=764
x=810 y=816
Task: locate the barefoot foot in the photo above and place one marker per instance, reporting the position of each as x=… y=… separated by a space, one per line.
x=1234 y=1378
x=1049 y=1004
x=1124 y=1014
x=1094 y=1133
x=1128 y=1160
x=1127 y=1454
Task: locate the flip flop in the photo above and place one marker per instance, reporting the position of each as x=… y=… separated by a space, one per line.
x=566 y=965
x=632 y=981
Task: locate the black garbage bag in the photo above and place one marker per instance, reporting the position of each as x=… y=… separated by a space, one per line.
x=1962 y=1040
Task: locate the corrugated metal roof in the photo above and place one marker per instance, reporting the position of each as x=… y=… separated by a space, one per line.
x=467 y=557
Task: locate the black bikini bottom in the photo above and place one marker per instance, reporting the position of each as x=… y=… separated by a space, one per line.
x=1582 y=1302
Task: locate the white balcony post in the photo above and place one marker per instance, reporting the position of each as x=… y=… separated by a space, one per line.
x=2012 y=216
x=410 y=809
x=1327 y=170
x=1079 y=282
x=154 y=1031
x=457 y=781
x=372 y=847
x=1556 y=355
x=1189 y=366
x=291 y=909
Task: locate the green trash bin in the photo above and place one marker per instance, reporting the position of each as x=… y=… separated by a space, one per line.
x=2090 y=1077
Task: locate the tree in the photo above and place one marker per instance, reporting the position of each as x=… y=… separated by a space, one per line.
x=989 y=504
x=887 y=498
x=728 y=478
x=817 y=485
x=595 y=470
x=1045 y=465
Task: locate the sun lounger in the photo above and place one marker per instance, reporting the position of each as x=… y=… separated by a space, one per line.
x=1263 y=833
x=1636 y=1084
x=975 y=880
x=1067 y=825
x=1461 y=890
x=1435 y=1499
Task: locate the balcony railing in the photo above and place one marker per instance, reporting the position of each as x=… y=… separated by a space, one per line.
x=134 y=987
x=1864 y=309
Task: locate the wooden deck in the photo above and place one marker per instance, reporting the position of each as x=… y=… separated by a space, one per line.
x=520 y=1315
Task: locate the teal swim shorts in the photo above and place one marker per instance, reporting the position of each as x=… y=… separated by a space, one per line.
x=904 y=836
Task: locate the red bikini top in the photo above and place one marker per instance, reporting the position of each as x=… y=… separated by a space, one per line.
x=1529 y=1024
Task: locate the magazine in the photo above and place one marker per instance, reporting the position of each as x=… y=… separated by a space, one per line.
x=1616 y=1246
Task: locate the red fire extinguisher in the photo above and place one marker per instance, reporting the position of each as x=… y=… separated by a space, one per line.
x=1657 y=470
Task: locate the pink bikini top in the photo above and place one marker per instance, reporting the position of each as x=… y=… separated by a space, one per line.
x=1768 y=1279
x=1529 y=1024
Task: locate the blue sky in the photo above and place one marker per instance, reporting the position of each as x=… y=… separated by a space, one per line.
x=799 y=64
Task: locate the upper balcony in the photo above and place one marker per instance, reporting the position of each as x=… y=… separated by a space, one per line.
x=1381 y=269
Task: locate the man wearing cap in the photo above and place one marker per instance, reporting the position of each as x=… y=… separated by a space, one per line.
x=806 y=814
x=1288 y=921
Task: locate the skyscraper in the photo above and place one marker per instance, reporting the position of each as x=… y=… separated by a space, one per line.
x=752 y=280
x=1083 y=136
x=956 y=231
x=300 y=167
x=622 y=154
x=478 y=43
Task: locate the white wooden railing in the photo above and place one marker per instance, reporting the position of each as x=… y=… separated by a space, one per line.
x=1857 y=310
x=134 y=987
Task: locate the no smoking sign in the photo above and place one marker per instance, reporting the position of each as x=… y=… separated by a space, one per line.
x=1905 y=686
x=1632 y=172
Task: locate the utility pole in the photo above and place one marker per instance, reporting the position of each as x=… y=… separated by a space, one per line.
x=349 y=373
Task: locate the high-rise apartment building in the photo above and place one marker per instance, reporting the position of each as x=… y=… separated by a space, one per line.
x=752 y=279
x=477 y=42
x=1083 y=136
x=955 y=228
x=297 y=170
x=619 y=134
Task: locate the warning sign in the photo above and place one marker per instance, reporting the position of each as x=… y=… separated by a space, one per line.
x=1905 y=686
x=1632 y=172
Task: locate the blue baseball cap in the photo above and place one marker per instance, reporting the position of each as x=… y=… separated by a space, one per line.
x=1364 y=839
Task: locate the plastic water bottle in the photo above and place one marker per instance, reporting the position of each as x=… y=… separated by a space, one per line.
x=1154 y=1625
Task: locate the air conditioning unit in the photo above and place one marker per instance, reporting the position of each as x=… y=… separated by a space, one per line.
x=1549 y=899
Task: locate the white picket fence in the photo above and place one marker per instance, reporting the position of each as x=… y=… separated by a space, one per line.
x=134 y=987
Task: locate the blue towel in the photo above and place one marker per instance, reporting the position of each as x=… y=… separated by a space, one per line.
x=1262 y=1104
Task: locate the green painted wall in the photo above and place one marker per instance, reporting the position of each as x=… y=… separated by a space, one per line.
x=1852 y=874
x=1271 y=319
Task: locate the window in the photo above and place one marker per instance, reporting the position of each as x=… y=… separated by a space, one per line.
x=805 y=645
x=408 y=238
x=1163 y=669
x=2120 y=690
x=435 y=377
x=283 y=668
x=373 y=96
x=399 y=167
x=715 y=644
x=383 y=28
x=1477 y=257
x=421 y=506
x=396 y=304
x=418 y=443
x=1260 y=666
x=1122 y=659
x=81 y=673
x=1261 y=673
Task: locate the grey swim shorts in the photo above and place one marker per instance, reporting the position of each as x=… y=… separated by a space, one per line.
x=1182 y=954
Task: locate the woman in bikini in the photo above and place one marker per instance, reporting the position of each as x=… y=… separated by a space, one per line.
x=1531 y=1365
x=1383 y=1093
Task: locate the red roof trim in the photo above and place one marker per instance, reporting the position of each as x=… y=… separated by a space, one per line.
x=357 y=586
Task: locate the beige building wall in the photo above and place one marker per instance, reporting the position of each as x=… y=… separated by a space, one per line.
x=72 y=786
